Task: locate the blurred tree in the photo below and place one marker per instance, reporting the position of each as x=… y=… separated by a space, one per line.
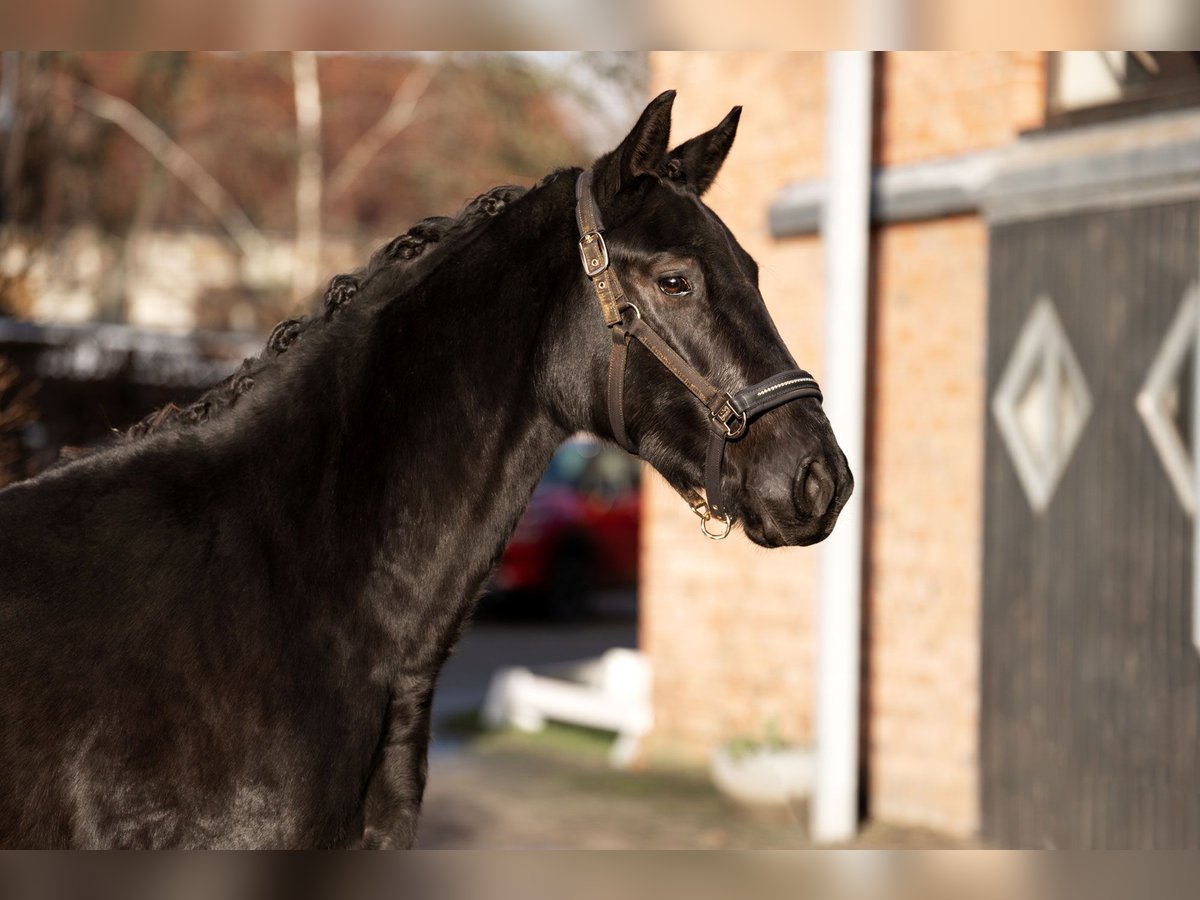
x=16 y=414
x=310 y=173
x=269 y=149
x=398 y=116
x=35 y=145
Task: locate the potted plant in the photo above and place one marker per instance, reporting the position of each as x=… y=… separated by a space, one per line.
x=763 y=772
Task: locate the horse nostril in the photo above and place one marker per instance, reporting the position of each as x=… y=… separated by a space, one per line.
x=814 y=489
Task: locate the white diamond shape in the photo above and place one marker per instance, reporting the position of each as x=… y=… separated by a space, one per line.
x=1041 y=404
x=1158 y=400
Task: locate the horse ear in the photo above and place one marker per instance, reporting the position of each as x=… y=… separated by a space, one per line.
x=695 y=163
x=643 y=150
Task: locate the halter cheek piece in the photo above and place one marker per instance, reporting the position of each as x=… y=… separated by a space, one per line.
x=729 y=414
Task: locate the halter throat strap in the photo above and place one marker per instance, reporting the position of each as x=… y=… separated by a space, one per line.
x=729 y=414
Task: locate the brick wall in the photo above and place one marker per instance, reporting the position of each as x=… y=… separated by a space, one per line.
x=924 y=520
x=730 y=627
x=947 y=102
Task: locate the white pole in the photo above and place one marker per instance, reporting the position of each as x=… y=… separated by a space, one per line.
x=845 y=235
x=1194 y=299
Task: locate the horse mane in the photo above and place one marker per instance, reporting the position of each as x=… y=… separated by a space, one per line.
x=393 y=257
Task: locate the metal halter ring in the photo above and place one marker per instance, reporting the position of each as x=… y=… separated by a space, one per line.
x=700 y=508
x=714 y=536
x=629 y=304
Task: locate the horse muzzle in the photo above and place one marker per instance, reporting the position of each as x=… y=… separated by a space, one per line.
x=798 y=506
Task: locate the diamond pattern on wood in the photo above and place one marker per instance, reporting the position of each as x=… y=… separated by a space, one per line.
x=1041 y=404
x=1166 y=398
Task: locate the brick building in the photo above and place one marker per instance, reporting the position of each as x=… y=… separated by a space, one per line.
x=970 y=152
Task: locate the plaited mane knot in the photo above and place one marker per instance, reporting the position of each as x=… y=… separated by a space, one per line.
x=494 y=201
x=431 y=230
x=200 y=411
x=406 y=246
x=152 y=421
x=341 y=291
x=284 y=335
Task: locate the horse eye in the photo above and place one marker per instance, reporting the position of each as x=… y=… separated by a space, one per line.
x=674 y=285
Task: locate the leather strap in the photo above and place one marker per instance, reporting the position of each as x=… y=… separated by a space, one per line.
x=775 y=391
x=729 y=415
x=616 y=387
x=751 y=403
x=704 y=391
x=594 y=252
x=713 y=463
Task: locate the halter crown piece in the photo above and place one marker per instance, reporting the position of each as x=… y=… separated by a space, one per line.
x=729 y=414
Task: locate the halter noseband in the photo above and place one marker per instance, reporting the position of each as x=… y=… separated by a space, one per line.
x=729 y=415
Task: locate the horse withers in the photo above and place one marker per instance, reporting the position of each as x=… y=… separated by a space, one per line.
x=224 y=629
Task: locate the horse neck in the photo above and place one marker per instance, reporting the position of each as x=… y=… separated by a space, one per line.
x=417 y=447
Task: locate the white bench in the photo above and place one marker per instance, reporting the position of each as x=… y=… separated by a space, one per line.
x=611 y=693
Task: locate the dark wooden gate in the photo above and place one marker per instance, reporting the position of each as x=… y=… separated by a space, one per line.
x=1090 y=724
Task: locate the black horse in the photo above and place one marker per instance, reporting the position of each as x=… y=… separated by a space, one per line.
x=224 y=629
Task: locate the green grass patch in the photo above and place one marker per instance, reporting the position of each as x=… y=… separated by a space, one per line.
x=559 y=739
x=556 y=739
x=461 y=725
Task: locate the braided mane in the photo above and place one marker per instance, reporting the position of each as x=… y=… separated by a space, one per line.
x=418 y=240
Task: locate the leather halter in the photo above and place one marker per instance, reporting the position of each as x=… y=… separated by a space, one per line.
x=729 y=414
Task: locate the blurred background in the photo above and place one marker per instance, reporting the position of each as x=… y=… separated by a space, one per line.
x=1023 y=665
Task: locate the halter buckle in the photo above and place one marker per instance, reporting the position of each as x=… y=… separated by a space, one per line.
x=594 y=253
x=732 y=422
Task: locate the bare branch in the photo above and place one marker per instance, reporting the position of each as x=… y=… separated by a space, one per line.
x=16 y=412
x=172 y=157
x=306 y=85
x=399 y=115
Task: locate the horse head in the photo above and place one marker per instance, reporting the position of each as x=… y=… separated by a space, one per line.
x=698 y=380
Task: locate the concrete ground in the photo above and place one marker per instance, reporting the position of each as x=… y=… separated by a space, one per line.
x=509 y=790
x=555 y=789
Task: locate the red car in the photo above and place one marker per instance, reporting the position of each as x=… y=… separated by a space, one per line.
x=580 y=531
